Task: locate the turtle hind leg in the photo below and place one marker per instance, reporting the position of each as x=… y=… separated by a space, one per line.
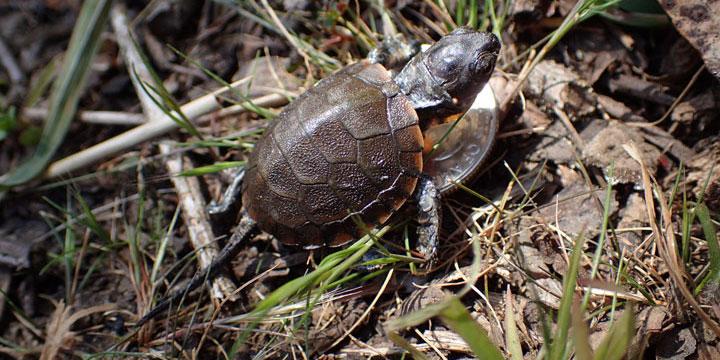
x=246 y=229
x=230 y=195
x=428 y=230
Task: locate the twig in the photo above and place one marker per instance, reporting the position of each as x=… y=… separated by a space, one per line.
x=92 y=117
x=160 y=123
x=675 y=103
x=137 y=69
x=188 y=188
x=196 y=219
x=8 y=62
x=577 y=140
x=367 y=311
x=152 y=129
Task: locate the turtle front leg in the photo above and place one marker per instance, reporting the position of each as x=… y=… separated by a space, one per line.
x=230 y=195
x=428 y=218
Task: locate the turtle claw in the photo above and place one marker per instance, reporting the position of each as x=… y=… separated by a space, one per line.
x=230 y=195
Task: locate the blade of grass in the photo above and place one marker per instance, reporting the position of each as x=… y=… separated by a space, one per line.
x=685 y=223
x=68 y=254
x=558 y=347
x=210 y=169
x=90 y=220
x=160 y=254
x=67 y=90
x=459 y=319
x=512 y=340
x=460 y=12
x=607 y=204
x=580 y=334
x=617 y=341
x=688 y=216
x=326 y=271
x=42 y=83
x=473 y=15
x=710 y=232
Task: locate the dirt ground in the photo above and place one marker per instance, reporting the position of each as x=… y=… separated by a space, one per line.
x=589 y=228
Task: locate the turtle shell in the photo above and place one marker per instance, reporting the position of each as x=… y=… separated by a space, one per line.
x=344 y=153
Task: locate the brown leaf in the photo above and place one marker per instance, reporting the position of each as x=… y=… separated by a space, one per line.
x=562 y=87
x=606 y=150
x=699 y=22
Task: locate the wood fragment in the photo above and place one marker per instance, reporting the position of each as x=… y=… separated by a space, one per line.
x=92 y=117
x=196 y=219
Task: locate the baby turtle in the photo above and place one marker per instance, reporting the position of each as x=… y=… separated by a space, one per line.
x=350 y=149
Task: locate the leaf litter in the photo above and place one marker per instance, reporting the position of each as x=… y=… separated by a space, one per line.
x=611 y=105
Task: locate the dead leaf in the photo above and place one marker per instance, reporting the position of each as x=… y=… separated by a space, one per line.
x=268 y=74
x=632 y=216
x=560 y=86
x=699 y=22
x=606 y=150
x=677 y=344
x=548 y=291
x=577 y=209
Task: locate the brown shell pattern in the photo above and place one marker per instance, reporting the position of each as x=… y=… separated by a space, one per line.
x=343 y=151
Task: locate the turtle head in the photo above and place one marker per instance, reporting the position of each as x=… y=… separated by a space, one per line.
x=445 y=79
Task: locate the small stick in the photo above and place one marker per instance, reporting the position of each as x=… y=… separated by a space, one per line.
x=158 y=122
x=150 y=130
x=7 y=60
x=193 y=204
x=137 y=69
x=92 y=117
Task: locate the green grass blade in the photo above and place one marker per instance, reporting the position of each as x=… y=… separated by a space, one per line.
x=713 y=276
x=66 y=91
x=512 y=339
x=327 y=271
x=459 y=319
x=210 y=169
x=460 y=12
x=43 y=82
x=90 y=220
x=473 y=16
x=617 y=341
x=580 y=334
x=559 y=343
x=607 y=204
x=8 y=121
x=68 y=255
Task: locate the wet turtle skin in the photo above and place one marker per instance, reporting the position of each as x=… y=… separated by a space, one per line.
x=347 y=150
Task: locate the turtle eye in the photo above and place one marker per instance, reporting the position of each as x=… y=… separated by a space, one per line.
x=482 y=63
